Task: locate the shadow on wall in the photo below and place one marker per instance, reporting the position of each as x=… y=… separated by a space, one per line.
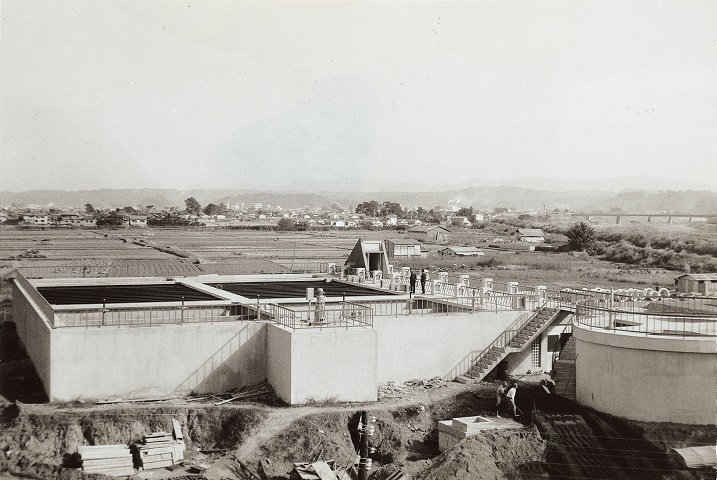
x=239 y=362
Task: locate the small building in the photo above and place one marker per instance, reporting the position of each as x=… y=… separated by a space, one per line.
x=460 y=221
x=137 y=220
x=391 y=219
x=369 y=255
x=67 y=219
x=702 y=283
x=530 y=235
x=402 y=248
x=465 y=251
x=478 y=218
x=36 y=219
x=429 y=233
x=88 y=221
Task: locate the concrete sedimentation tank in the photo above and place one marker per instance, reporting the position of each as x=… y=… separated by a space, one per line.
x=648 y=360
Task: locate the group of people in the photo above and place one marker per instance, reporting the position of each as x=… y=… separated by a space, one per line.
x=413 y=277
x=506 y=396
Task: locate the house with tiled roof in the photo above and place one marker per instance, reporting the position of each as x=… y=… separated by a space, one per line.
x=429 y=233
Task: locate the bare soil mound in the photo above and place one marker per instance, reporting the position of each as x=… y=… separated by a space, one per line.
x=491 y=456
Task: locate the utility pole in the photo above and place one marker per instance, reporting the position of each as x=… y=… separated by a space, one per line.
x=364 y=432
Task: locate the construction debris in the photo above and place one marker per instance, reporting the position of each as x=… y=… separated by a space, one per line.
x=253 y=391
x=115 y=460
x=397 y=390
x=162 y=449
x=319 y=470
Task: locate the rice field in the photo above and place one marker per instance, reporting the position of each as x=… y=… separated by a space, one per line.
x=187 y=252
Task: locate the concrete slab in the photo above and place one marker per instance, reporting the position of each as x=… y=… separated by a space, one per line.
x=450 y=432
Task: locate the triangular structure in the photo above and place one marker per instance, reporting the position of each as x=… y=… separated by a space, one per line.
x=370 y=255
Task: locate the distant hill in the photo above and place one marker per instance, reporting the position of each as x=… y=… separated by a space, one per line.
x=481 y=198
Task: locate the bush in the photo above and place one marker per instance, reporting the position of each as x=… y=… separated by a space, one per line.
x=581 y=237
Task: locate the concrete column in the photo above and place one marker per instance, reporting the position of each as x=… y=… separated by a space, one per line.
x=377 y=276
x=649 y=218
x=539 y=294
x=617 y=219
x=486 y=284
x=405 y=272
x=390 y=270
x=443 y=277
x=669 y=219
x=464 y=279
x=512 y=287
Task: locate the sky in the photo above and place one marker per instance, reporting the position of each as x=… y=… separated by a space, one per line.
x=227 y=94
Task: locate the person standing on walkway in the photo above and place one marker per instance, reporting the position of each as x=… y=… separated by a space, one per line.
x=424 y=277
x=412 y=281
x=499 y=396
x=510 y=396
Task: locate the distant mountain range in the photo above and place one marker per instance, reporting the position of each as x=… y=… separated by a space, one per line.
x=539 y=197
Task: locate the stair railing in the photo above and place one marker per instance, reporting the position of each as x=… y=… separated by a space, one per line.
x=563 y=340
x=501 y=341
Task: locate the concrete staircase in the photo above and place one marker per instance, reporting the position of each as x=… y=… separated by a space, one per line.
x=493 y=355
x=531 y=330
x=564 y=371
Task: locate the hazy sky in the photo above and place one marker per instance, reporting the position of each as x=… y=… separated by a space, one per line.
x=170 y=94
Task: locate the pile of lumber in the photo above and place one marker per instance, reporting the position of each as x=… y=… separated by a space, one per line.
x=107 y=459
x=162 y=449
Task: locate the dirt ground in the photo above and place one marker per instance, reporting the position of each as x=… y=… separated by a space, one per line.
x=555 y=438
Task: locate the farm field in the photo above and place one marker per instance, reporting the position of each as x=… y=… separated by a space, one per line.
x=195 y=251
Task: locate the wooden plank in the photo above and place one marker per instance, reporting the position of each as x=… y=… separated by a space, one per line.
x=118 y=471
x=158 y=440
x=156 y=450
x=158 y=457
x=110 y=463
x=323 y=470
x=105 y=454
x=177 y=429
x=160 y=464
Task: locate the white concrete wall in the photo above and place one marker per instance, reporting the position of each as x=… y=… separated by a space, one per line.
x=652 y=379
x=131 y=362
x=323 y=364
x=278 y=347
x=424 y=347
x=33 y=332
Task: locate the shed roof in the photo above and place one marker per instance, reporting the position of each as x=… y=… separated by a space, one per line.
x=700 y=276
x=530 y=232
x=403 y=241
x=464 y=250
x=426 y=228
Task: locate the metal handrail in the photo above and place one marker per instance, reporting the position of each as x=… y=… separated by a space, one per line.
x=645 y=317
